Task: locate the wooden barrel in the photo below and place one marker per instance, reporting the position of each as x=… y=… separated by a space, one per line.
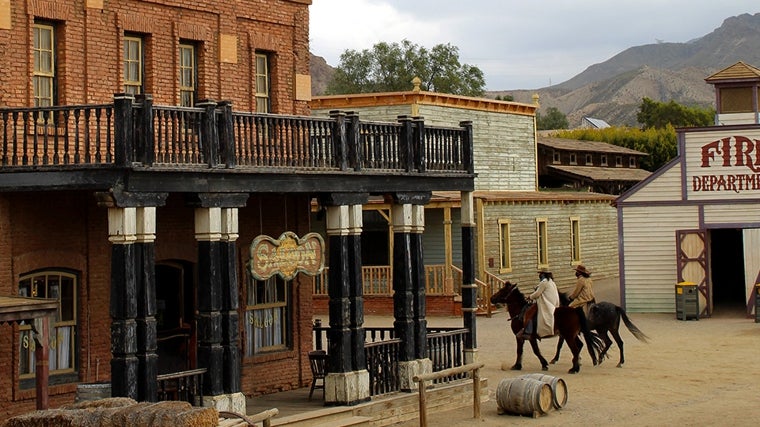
x=524 y=396
x=558 y=386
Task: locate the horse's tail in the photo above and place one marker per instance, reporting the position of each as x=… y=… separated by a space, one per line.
x=631 y=327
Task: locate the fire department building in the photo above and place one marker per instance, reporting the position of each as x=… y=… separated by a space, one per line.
x=697 y=219
x=155 y=159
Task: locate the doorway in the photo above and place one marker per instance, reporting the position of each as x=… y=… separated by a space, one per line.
x=175 y=316
x=727 y=271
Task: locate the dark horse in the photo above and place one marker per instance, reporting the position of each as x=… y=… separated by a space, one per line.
x=605 y=317
x=567 y=324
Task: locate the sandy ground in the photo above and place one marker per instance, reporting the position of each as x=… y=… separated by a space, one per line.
x=704 y=372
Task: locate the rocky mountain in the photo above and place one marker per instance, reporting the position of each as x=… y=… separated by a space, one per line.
x=612 y=90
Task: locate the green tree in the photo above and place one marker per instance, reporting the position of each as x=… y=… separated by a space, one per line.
x=655 y=114
x=504 y=98
x=554 y=119
x=390 y=67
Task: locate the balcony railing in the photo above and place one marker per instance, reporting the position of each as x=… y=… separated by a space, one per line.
x=132 y=133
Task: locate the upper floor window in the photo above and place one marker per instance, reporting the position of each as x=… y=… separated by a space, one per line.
x=603 y=160
x=505 y=245
x=133 y=65
x=555 y=157
x=61 y=286
x=43 y=74
x=266 y=317
x=589 y=159
x=573 y=158
x=542 y=242
x=188 y=75
x=618 y=161
x=263 y=104
x=631 y=162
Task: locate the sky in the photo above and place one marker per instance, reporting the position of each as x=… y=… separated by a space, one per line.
x=517 y=44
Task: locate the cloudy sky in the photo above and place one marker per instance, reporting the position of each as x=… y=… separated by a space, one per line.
x=517 y=44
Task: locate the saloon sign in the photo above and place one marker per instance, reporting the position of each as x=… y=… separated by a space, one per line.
x=721 y=165
x=287 y=256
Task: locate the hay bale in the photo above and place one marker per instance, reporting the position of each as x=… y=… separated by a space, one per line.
x=195 y=417
x=44 y=418
x=109 y=402
x=148 y=414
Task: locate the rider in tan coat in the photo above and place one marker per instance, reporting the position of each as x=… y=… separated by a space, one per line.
x=583 y=294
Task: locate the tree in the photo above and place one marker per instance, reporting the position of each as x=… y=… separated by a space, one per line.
x=655 y=114
x=554 y=119
x=390 y=67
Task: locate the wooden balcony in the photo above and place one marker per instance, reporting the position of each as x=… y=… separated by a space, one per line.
x=211 y=147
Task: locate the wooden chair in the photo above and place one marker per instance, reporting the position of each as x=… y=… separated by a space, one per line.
x=318 y=362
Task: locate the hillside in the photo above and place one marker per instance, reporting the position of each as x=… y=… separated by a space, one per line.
x=612 y=90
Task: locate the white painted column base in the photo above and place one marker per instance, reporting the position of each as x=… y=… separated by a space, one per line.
x=347 y=388
x=471 y=356
x=408 y=370
x=234 y=402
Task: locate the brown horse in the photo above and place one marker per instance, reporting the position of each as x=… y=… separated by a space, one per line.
x=567 y=324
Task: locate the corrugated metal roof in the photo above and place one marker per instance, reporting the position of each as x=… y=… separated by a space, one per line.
x=738 y=71
x=603 y=174
x=594 y=146
x=597 y=123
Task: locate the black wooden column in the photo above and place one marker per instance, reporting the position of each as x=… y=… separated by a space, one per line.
x=348 y=380
x=131 y=230
x=469 y=287
x=147 y=342
x=409 y=285
x=218 y=344
x=123 y=305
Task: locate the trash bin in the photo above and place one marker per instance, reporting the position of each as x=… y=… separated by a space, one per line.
x=757 y=302
x=687 y=301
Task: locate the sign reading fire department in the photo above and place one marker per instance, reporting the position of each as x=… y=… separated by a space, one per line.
x=287 y=256
x=722 y=164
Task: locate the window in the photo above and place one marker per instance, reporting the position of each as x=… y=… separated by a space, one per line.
x=61 y=286
x=603 y=160
x=43 y=75
x=266 y=317
x=575 y=240
x=555 y=157
x=133 y=65
x=505 y=246
x=618 y=161
x=589 y=159
x=262 y=83
x=543 y=246
x=188 y=75
x=573 y=158
x=631 y=162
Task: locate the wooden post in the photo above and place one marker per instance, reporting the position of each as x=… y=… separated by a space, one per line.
x=42 y=367
x=423 y=404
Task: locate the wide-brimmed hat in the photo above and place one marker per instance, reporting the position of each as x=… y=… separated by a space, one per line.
x=580 y=268
x=544 y=271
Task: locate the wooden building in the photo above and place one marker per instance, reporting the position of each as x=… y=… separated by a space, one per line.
x=695 y=220
x=519 y=229
x=144 y=147
x=597 y=166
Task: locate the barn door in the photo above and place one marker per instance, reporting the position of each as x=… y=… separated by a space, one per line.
x=751 y=266
x=691 y=246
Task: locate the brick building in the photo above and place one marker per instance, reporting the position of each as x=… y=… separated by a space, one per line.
x=145 y=145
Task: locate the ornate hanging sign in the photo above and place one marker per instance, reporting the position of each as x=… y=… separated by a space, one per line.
x=287 y=256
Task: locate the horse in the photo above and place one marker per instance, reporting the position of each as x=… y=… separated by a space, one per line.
x=605 y=317
x=567 y=324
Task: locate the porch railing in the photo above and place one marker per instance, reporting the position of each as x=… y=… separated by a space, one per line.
x=378 y=280
x=186 y=386
x=132 y=132
x=445 y=347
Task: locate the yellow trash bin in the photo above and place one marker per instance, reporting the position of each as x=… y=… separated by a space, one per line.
x=687 y=301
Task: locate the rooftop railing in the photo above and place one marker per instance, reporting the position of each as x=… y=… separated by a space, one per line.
x=134 y=133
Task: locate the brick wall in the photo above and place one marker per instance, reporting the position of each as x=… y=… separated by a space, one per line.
x=89 y=49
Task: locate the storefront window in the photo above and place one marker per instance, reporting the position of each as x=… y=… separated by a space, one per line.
x=266 y=316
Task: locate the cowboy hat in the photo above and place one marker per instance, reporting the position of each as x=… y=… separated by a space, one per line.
x=580 y=268
x=544 y=270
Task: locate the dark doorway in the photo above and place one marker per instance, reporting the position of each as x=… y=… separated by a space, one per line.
x=175 y=316
x=727 y=271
